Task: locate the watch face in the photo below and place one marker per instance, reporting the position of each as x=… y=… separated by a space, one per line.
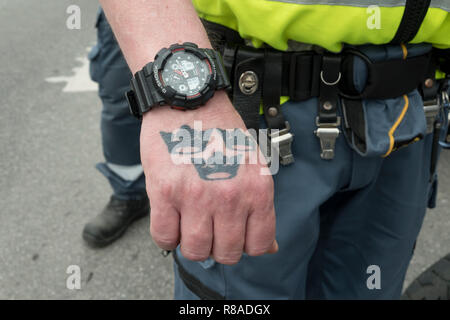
x=186 y=73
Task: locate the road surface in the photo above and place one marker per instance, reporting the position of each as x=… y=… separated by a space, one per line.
x=49 y=144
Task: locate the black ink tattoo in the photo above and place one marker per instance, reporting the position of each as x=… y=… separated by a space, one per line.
x=211 y=170
x=186 y=140
x=191 y=142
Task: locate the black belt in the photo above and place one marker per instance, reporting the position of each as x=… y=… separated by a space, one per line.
x=303 y=75
x=267 y=74
x=299 y=73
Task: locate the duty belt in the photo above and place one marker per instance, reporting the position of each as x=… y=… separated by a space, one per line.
x=264 y=75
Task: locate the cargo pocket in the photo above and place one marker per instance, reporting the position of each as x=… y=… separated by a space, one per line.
x=376 y=128
x=94 y=67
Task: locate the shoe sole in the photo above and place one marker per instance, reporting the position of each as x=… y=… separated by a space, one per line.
x=94 y=242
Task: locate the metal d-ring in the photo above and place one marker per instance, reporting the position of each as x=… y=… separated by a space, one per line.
x=330 y=83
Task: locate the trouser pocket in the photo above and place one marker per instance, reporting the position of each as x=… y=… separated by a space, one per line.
x=94 y=67
x=376 y=128
x=194 y=284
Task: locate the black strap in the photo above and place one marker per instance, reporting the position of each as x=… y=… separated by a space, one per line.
x=249 y=60
x=413 y=16
x=429 y=87
x=193 y=284
x=355 y=122
x=220 y=35
x=272 y=89
x=329 y=88
x=393 y=78
x=304 y=75
x=443 y=59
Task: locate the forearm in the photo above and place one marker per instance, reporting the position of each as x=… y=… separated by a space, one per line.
x=142 y=28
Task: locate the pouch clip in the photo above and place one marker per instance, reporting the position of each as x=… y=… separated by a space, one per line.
x=327 y=134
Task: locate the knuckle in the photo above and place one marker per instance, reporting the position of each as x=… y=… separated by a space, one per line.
x=268 y=220
x=195 y=190
x=165 y=243
x=163 y=238
x=265 y=187
x=165 y=190
x=193 y=255
x=228 y=259
x=254 y=252
x=261 y=246
x=264 y=194
x=229 y=192
x=198 y=238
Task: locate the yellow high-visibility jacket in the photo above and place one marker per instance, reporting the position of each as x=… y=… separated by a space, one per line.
x=326 y=23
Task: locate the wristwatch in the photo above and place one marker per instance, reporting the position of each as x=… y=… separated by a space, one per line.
x=182 y=76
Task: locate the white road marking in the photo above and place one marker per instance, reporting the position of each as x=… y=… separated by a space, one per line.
x=80 y=81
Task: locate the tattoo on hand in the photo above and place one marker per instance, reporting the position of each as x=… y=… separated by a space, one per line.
x=215 y=153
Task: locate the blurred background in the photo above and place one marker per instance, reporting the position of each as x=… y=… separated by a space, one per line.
x=49 y=144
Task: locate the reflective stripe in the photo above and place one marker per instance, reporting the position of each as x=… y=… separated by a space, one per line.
x=128 y=173
x=442 y=4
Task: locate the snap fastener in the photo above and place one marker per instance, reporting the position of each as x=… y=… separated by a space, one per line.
x=328 y=105
x=429 y=83
x=248 y=82
x=272 y=111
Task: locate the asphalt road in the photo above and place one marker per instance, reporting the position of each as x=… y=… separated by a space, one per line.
x=49 y=144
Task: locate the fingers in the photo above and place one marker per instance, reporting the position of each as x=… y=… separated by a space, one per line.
x=229 y=237
x=225 y=237
x=165 y=225
x=196 y=235
x=260 y=233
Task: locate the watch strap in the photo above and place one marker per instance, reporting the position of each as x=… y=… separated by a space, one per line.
x=141 y=96
x=223 y=82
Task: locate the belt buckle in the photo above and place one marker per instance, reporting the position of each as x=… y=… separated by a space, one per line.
x=327 y=134
x=281 y=142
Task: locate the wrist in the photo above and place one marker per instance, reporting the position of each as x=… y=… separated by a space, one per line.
x=182 y=76
x=218 y=110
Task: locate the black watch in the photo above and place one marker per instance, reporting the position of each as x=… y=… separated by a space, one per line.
x=182 y=76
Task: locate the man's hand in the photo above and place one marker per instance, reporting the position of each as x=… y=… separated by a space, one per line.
x=221 y=218
x=218 y=211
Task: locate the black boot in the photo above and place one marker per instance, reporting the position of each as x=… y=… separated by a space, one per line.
x=114 y=220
